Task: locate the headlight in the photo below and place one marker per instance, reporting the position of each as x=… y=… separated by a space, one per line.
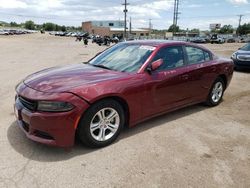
x=234 y=56
x=54 y=106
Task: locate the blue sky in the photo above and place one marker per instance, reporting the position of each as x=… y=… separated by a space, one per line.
x=194 y=13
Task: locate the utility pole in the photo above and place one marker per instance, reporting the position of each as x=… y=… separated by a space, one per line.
x=150 y=24
x=176 y=13
x=130 y=26
x=125 y=18
x=240 y=17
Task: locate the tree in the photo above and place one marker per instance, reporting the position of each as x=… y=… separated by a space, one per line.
x=226 y=29
x=13 y=24
x=174 y=28
x=58 y=28
x=29 y=25
x=195 y=30
x=49 y=26
x=63 y=28
x=244 y=29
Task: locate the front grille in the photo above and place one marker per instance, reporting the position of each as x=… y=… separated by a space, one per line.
x=243 y=58
x=27 y=103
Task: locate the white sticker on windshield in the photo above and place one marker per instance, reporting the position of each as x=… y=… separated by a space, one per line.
x=150 y=48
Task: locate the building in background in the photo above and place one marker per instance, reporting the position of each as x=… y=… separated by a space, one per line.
x=112 y=28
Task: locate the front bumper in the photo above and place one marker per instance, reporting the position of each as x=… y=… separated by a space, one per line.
x=241 y=64
x=56 y=129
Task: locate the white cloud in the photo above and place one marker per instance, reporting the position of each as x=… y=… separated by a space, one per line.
x=195 y=6
x=238 y=2
x=203 y=24
x=12 y=4
x=73 y=12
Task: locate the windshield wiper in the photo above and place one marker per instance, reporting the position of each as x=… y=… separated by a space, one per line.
x=102 y=66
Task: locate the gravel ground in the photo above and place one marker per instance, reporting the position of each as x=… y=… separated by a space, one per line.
x=193 y=147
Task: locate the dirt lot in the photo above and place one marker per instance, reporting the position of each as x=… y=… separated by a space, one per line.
x=193 y=147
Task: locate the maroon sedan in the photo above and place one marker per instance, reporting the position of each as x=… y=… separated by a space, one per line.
x=126 y=84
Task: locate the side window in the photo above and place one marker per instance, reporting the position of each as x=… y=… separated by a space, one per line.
x=207 y=56
x=195 y=55
x=172 y=57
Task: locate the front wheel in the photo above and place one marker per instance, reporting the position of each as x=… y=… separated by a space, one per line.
x=216 y=92
x=101 y=124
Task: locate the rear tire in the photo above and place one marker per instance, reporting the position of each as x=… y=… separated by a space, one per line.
x=101 y=124
x=216 y=92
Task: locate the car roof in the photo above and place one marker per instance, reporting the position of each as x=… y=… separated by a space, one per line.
x=155 y=43
x=159 y=43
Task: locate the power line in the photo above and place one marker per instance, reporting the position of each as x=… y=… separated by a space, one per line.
x=125 y=18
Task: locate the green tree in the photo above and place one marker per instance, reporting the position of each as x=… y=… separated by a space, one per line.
x=63 y=28
x=226 y=29
x=174 y=28
x=58 y=28
x=49 y=26
x=13 y=24
x=29 y=25
x=244 y=29
x=195 y=30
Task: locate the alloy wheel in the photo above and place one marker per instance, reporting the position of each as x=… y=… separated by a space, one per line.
x=217 y=92
x=104 y=124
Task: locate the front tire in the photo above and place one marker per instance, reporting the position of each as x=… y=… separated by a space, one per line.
x=216 y=92
x=101 y=124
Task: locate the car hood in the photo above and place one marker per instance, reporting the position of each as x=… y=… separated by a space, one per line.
x=62 y=79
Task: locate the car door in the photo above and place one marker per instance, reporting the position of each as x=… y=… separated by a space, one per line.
x=201 y=71
x=166 y=87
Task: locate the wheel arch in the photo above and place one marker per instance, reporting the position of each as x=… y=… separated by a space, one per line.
x=118 y=99
x=224 y=78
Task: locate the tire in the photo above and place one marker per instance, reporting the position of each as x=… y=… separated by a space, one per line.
x=216 y=92
x=95 y=129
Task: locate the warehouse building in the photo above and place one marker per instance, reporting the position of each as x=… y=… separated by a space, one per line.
x=112 y=28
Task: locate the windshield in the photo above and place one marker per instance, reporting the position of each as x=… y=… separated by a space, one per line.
x=123 y=57
x=246 y=47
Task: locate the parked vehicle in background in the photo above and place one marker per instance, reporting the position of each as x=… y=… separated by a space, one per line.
x=15 y=31
x=231 y=40
x=241 y=57
x=124 y=85
x=245 y=39
x=198 y=40
x=2 y=32
x=216 y=39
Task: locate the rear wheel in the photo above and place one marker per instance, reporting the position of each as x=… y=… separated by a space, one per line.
x=101 y=124
x=216 y=92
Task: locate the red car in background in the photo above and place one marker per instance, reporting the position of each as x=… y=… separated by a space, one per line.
x=126 y=84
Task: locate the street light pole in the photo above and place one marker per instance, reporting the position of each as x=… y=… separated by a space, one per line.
x=125 y=19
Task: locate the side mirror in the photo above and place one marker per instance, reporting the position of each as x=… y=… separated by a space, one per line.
x=155 y=65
